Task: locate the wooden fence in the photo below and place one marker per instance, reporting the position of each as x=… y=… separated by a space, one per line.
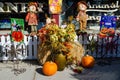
x=108 y=47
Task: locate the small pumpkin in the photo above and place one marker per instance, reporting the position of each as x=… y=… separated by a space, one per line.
x=111 y=31
x=88 y=61
x=104 y=30
x=102 y=35
x=49 y=68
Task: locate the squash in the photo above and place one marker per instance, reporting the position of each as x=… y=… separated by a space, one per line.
x=88 y=61
x=60 y=60
x=49 y=68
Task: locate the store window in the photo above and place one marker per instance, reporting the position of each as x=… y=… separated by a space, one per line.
x=18 y=9
x=96 y=8
x=5 y=24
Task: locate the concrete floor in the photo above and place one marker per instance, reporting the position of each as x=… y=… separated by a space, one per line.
x=30 y=70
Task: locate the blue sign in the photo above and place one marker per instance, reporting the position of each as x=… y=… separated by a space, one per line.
x=108 y=21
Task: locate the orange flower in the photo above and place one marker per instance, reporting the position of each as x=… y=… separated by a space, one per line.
x=68 y=45
x=42 y=32
x=17 y=36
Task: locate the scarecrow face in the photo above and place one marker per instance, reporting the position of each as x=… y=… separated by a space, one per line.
x=32 y=8
x=82 y=6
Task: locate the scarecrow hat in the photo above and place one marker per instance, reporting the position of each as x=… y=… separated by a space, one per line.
x=33 y=3
x=82 y=2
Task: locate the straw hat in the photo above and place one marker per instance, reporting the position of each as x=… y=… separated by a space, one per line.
x=33 y=3
x=82 y=2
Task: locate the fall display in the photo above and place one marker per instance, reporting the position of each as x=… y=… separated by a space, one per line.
x=66 y=37
x=59 y=42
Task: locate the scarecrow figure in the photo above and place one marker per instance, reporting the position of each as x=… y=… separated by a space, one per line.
x=32 y=17
x=82 y=16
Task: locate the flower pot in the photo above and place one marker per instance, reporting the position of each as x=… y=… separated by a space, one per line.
x=60 y=60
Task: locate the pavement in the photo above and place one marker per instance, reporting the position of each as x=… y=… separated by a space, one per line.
x=31 y=70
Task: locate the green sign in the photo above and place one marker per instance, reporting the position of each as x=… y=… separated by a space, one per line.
x=17 y=24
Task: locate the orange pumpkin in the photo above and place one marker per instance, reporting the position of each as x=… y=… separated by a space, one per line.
x=102 y=35
x=104 y=30
x=49 y=68
x=88 y=61
x=111 y=31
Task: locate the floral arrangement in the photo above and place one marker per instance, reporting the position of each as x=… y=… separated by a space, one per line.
x=58 y=33
x=106 y=32
x=57 y=37
x=59 y=40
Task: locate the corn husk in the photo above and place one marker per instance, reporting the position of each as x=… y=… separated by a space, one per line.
x=77 y=52
x=43 y=53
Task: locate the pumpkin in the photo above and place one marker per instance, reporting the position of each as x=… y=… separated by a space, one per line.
x=88 y=61
x=111 y=31
x=49 y=68
x=102 y=35
x=104 y=30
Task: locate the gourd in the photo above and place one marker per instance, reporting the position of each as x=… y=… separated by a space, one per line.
x=60 y=60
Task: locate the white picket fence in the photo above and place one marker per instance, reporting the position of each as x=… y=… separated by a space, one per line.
x=107 y=47
x=28 y=46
